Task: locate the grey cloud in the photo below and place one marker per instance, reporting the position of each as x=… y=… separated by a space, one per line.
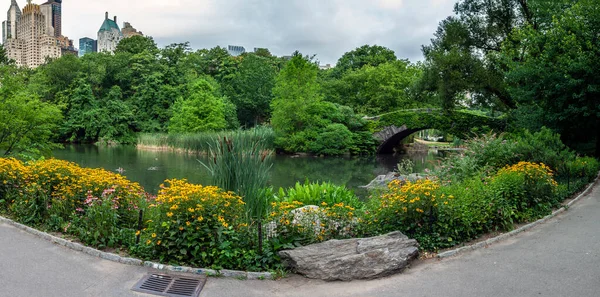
x=328 y=28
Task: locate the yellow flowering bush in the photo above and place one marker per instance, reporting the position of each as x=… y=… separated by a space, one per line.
x=198 y=225
x=12 y=179
x=407 y=206
x=294 y=223
x=93 y=204
x=528 y=188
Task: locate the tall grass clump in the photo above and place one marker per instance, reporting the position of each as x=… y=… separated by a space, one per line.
x=240 y=162
x=201 y=142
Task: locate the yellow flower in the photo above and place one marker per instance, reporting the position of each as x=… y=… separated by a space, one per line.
x=158 y=242
x=148 y=242
x=153 y=235
x=187 y=223
x=137 y=233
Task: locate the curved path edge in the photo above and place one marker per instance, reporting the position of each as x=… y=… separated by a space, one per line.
x=488 y=242
x=265 y=275
x=137 y=262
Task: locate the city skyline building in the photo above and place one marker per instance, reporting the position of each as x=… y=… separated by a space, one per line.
x=9 y=27
x=129 y=31
x=235 y=50
x=53 y=13
x=87 y=45
x=32 y=44
x=109 y=35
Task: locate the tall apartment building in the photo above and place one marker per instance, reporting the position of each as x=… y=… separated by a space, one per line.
x=87 y=45
x=235 y=50
x=109 y=35
x=53 y=12
x=32 y=44
x=129 y=31
x=9 y=27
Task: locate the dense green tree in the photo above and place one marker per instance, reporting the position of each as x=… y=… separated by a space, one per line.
x=372 y=55
x=116 y=119
x=52 y=78
x=374 y=90
x=296 y=94
x=554 y=71
x=136 y=45
x=250 y=89
x=26 y=123
x=263 y=52
x=304 y=122
x=82 y=115
x=463 y=58
x=201 y=110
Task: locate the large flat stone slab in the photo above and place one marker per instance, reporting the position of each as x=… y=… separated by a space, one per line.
x=357 y=258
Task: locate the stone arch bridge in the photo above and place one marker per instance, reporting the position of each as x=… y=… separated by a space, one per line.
x=391 y=128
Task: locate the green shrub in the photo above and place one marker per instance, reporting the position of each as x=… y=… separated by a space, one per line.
x=529 y=189
x=315 y=194
x=335 y=139
x=471 y=211
x=198 y=226
x=412 y=208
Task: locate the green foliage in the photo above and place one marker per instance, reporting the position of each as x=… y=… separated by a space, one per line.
x=317 y=193
x=136 y=45
x=202 y=110
x=528 y=188
x=374 y=90
x=553 y=70
x=458 y=123
x=198 y=226
x=26 y=123
x=250 y=88
x=303 y=122
x=334 y=139
x=372 y=55
x=241 y=163
x=99 y=207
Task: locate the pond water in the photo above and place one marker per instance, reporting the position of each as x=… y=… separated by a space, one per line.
x=151 y=168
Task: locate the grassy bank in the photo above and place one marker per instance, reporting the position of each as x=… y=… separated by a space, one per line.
x=200 y=142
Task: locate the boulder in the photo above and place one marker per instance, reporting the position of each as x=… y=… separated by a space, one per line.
x=349 y=259
x=382 y=181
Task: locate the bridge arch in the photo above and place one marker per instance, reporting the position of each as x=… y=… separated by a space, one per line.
x=387 y=144
x=392 y=127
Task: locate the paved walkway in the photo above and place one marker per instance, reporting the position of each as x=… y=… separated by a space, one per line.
x=558 y=258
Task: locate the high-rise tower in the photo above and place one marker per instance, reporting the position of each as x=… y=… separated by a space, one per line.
x=109 y=35
x=9 y=27
x=53 y=12
x=32 y=44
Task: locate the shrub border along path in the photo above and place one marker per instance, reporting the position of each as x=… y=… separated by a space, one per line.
x=267 y=275
x=488 y=242
x=137 y=262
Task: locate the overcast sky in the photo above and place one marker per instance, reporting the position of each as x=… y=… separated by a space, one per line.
x=327 y=28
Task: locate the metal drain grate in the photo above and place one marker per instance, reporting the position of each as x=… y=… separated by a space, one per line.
x=170 y=285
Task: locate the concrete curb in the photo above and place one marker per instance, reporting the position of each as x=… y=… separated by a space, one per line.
x=137 y=262
x=484 y=244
